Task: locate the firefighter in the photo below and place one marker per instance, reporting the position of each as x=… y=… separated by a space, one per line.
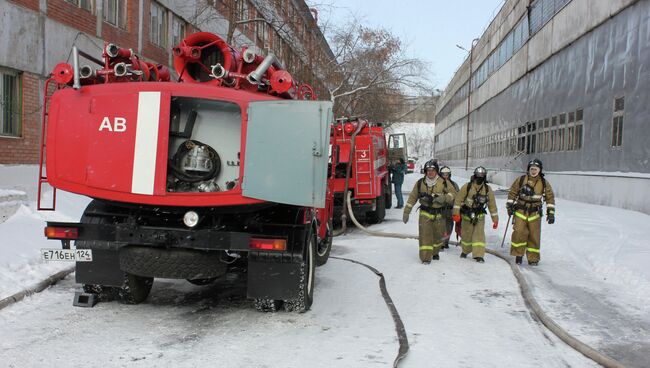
x=525 y=203
x=470 y=206
x=433 y=196
x=445 y=173
x=398 y=170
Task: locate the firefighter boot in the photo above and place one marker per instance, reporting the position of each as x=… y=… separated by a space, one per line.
x=532 y=263
x=463 y=255
x=518 y=260
x=479 y=259
x=435 y=257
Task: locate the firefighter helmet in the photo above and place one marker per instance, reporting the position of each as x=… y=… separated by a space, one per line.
x=445 y=170
x=431 y=164
x=535 y=162
x=480 y=172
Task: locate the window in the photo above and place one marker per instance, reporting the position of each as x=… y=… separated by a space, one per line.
x=521 y=138
x=561 y=132
x=178 y=29
x=242 y=13
x=553 y=144
x=83 y=4
x=535 y=15
x=577 y=143
x=115 y=12
x=10 y=103
x=617 y=122
x=571 y=131
x=158 y=25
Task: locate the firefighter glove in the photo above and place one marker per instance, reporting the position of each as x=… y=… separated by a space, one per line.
x=455 y=218
x=550 y=217
x=495 y=224
x=510 y=209
x=405 y=217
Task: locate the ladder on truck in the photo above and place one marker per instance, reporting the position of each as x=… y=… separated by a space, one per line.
x=42 y=176
x=363 y=172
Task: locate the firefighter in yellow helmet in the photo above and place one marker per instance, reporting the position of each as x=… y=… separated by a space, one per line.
x=470 y=205
x=525 y=203
x=433 y=195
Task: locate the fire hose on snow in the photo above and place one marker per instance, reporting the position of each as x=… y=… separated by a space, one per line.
x=526 y=293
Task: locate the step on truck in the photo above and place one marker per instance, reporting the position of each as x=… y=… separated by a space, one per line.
x=222 y=172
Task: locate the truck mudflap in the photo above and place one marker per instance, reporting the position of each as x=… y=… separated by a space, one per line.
x=273 y=277
x=103 y=270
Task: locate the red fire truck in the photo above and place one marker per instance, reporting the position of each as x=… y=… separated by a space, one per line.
x=223 y=172
x=360 y=158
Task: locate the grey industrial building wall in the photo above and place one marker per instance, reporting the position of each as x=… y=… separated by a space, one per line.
x=610 y=61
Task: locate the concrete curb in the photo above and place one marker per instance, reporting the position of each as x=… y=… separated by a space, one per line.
x=36 y=288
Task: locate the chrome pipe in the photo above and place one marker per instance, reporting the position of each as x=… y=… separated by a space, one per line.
x=218 y=71
x=255 y=77
x=75 y=67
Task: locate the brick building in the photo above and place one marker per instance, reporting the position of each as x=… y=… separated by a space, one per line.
x=35 y=35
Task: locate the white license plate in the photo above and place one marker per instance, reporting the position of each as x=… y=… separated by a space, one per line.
x=79 y=255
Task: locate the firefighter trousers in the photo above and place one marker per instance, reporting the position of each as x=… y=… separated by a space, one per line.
x=431 y=233
x=472 y=236
x=526 y=233
x=449 y=225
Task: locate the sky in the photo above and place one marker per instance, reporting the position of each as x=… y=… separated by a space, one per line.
x=431 y=29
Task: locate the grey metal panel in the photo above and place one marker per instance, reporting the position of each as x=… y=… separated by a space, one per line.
x=286 y=152
x=612 y=60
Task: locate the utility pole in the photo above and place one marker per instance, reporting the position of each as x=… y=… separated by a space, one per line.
x=469 y=97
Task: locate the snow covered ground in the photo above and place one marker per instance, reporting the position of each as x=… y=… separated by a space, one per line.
x=592 y=279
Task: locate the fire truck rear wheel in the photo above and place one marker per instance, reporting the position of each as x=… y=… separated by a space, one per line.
x=325 y=245
x=307 y=273
x=379 y=213
x=388 y=195
x=202 y=282
x=268 y=305
x=134 y=290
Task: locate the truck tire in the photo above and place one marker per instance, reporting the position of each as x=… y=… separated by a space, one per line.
x=134 y=289
x=268 y=305
x=388 y=190
x=307 y=275
x=324 y=246
x=202 y=282
x=171 y=263
x=379 y=213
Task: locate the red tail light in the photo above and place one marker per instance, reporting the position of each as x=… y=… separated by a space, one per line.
x=268 y=244
x=52 y=232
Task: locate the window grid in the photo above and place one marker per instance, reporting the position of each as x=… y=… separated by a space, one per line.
x=10 y=103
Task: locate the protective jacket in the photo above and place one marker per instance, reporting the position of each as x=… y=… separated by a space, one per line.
x=470 y=204
x=525 y=197
x=433 y=199
x=530 y=201
x=473 y=198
